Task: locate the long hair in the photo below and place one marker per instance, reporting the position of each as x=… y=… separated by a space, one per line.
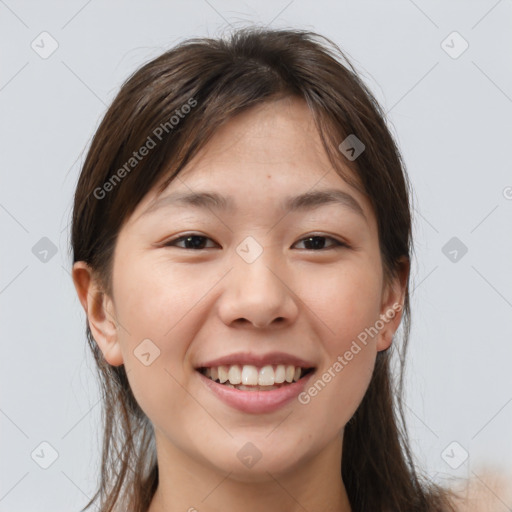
x=177 y=101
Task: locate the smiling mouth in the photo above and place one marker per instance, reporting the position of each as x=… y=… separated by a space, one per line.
x=253 y=378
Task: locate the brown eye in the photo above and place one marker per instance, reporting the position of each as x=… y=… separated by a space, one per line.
x=195 y=242
x=317 y=242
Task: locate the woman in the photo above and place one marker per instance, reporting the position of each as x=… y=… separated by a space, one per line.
x=242 y=241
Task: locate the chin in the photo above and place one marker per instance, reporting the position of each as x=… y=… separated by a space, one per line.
x=252 y=465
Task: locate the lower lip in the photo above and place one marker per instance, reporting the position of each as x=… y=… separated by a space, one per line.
x=257 y=402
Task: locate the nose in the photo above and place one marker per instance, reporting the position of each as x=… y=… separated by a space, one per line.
x=258 y=294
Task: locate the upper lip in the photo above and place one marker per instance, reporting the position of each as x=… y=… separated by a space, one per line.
x=246 y=358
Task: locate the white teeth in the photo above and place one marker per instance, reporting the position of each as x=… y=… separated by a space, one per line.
x=223 y=374
x=235 y=374
x=266 y=376
x=280 y=374
x=251 y=376
x=290 y=372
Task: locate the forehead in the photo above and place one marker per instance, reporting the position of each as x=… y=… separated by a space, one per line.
x=269 y=154
x=283 y=129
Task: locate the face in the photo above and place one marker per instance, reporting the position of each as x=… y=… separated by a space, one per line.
x=261 y=283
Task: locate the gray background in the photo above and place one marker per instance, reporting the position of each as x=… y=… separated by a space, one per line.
x=452 y=118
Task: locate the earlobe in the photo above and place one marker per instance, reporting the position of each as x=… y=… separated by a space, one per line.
x=392 y=305
x=100 y=312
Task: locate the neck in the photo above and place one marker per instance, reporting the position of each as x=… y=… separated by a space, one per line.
x=191 y=485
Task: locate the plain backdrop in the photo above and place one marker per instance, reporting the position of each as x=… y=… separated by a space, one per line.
x=449 y=102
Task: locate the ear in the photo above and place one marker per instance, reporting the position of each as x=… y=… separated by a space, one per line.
x=98 y=307
x=393 y=304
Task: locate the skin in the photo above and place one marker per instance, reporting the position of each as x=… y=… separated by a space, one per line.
x=197 y=305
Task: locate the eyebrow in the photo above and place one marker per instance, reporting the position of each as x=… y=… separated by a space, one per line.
x=214 y=201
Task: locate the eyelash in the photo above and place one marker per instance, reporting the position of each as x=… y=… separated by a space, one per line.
x=337 y=243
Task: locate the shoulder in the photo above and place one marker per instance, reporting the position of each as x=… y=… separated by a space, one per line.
x=484 y=491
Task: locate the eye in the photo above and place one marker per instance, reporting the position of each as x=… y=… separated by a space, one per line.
x=317 y=242
x=192 y=241
x=197 y=242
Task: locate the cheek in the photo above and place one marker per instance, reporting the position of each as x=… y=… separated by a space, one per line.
x=335 y=392
x=154 y=301
x=348 y=303
x=162 y=304
x=147 y=308
x=346 y=300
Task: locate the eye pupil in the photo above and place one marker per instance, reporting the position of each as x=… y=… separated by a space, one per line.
x=319 y=241
x=197 y=243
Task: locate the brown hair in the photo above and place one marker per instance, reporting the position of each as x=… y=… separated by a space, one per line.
x=218 y=79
